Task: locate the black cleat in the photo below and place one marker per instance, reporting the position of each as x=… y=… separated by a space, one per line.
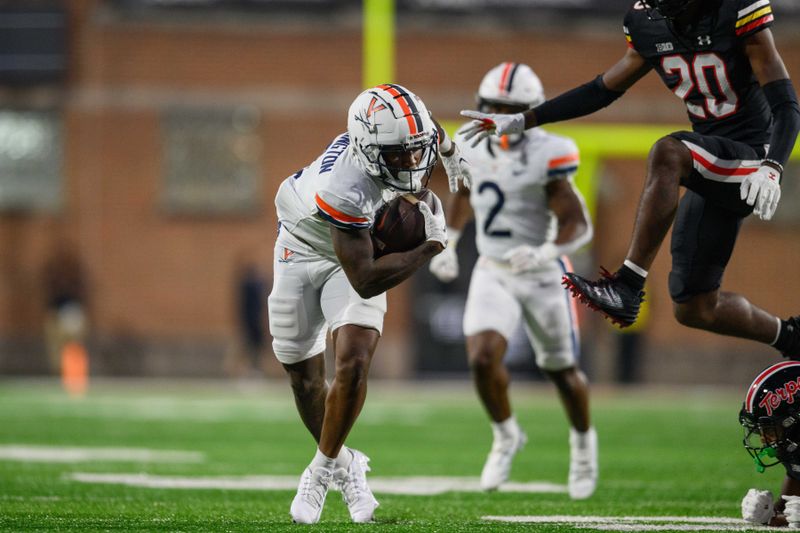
x=609 y=295
x=793 y=329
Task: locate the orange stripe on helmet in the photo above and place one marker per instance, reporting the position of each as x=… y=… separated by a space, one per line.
x=401 y=99
x=504 y=77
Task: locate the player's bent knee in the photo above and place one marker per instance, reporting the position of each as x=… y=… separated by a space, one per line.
x=354 y=366
x=306 y=385
x=481 y=360
x=694 y=313
x=670 y=154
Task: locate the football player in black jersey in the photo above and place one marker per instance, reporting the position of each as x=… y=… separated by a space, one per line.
x=719 y=57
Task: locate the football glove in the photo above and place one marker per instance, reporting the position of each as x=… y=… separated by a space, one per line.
x=457 y=168
x=762 y=189
x=445 y=265
x=435 y=224
x=485 y=124
x=526 y=257
x=757 y=506
x=792 y=510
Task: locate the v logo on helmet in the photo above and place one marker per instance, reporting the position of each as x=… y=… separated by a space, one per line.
x=773 y=399
x=373 y=108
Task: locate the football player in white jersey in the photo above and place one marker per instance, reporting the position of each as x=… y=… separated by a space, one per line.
x=326 y=277
x=528 y=216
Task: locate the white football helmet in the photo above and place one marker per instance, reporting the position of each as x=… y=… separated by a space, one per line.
x=512 y=84
x=393 y=136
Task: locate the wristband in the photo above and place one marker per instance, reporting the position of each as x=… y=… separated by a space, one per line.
x=445 y=144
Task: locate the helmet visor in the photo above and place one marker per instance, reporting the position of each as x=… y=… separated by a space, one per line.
x=408 y=167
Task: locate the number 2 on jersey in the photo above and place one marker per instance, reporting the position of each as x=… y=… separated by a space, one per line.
x=718 y=105
x=498 y=205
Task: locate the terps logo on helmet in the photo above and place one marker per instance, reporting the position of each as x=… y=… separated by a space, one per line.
x=773 y=399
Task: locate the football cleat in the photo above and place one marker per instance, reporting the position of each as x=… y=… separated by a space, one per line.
x=307 y=504
x=793 y=351
x=609 y=295
x=497 y=469
x=582 y=478
x=355 y=491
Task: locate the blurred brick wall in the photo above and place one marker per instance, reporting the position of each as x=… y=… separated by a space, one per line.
x=167 y=280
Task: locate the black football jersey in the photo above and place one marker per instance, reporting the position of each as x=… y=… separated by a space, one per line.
x=707 y=67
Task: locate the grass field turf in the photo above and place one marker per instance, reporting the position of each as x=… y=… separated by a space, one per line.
x=662 y=453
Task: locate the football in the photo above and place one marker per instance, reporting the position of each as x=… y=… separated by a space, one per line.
x=399 y=225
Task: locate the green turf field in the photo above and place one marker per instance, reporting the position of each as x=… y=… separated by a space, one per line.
x=665 y=453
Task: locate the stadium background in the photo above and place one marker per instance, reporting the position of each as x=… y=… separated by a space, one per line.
x=154 y=134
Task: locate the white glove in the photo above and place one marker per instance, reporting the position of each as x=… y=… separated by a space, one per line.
x=484 y=124
x=457 y=168
x=757 y=506
x=792 y=510
x=526 y=257
x=445 y=265
x=435 y=224
x=762 y=188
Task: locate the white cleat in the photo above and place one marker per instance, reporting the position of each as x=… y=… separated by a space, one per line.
x=355 y=491
x=582 y=464
x=497 y=469
x=307 y=504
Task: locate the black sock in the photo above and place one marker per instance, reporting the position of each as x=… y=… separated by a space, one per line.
x=631 y=278
x=787 y=337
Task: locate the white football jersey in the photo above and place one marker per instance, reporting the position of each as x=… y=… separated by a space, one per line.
x=333 y=189
x=508 y=193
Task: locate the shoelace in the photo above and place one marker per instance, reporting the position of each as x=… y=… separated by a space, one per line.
x=353 y=486
x=314 y=493
x=581 y=468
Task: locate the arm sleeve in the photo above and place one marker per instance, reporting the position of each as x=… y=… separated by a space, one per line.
x=563 y=160
x=340 y=213
x=580 y=101
x=752 y=17
x=786 y=119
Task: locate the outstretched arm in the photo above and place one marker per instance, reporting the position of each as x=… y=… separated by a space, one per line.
x=580 y=101
x=591 y=96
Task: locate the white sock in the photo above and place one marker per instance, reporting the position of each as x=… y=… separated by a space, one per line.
x=580 y=439
x=322 y=460
x=345 y=458
x=636 y=268
x=506 y=429
x=778 y=334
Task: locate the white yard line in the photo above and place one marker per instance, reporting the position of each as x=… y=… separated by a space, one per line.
x=71 y=454
x=638 y=523
x=417 y=485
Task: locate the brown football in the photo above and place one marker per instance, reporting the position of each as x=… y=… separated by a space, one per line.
x=399 y=225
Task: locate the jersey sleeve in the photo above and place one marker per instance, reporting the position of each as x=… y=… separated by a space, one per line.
x=341 y=212
x=562 y=160
x=627 y=24
x=752 y=17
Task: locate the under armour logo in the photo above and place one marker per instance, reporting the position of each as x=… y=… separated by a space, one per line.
x=704 y=40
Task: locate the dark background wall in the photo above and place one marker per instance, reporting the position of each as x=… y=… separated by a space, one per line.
x=161 y=281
